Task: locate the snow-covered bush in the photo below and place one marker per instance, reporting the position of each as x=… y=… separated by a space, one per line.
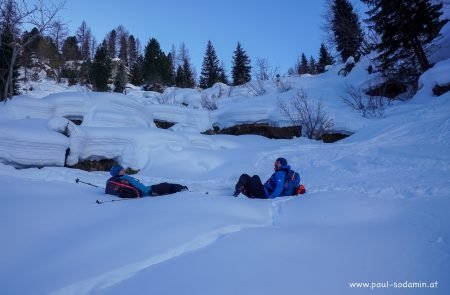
x=310 y=115
x=367 y=105
x=256 y=88
x=209 y=103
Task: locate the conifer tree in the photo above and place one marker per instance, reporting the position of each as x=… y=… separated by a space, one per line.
x=70 y=50
x=188 y=75
x=222 y=74
x=405 y=27
x=312 y=66
x=303 y=67
x=153 y=62
x=347 y=31
x=179 y=77
x=241 y=69
x=210 y=67
x=136 y=73
x=101 y=69
x=325 y=59
x=121 y=78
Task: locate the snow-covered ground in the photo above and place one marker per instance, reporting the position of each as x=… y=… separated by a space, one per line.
x=376 y=209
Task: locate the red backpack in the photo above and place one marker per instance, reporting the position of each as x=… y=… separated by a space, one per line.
x=121 y=188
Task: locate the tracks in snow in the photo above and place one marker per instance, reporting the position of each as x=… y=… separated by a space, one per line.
x=127 y=271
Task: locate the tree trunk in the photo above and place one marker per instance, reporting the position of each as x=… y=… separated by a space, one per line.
x=9 y=88
x=420 y=54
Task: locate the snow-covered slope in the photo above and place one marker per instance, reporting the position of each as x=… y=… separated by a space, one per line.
x=375 y=211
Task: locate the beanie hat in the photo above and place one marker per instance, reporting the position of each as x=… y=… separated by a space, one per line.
x=115 y=170
x=282 y=161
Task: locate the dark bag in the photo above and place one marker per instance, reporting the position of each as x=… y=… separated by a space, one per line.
x=121 y=188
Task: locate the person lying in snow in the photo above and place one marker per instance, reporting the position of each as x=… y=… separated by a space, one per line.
x=284 y=182
x=125 y=186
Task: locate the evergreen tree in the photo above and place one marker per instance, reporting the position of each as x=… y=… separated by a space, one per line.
x=312 y=66
x=222 y=74
x=121 y=78
x=188 y=75
x=153 y=62
x=405 y=27
x=210 y=67
x=325 y=59
x=70 y=50
x=136 y=73
x=179 y=78
x=241 y=70
x=101 y=69
x=303 y=67
x=347 y=31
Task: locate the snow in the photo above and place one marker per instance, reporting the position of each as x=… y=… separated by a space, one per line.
x=376 y=207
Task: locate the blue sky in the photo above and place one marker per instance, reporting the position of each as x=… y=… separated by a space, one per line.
x=277 y=30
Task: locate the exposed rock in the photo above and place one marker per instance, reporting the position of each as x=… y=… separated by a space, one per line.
x=438 y=90
x=259 y=129
x=99 y=165
x=163 y=124
x=333 y=137
x=390 y=88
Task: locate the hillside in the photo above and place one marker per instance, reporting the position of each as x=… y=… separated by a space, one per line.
x=375 y=211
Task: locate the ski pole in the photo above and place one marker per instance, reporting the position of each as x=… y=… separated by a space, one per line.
x=110 y=201
x=78 y=180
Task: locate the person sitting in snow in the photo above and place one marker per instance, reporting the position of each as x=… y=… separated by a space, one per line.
x=125 y=186
x=252 y=187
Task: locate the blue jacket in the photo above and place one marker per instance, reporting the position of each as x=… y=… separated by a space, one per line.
x=145 y=190
x=274 y=186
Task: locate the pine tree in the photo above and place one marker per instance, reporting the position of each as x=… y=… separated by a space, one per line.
x=303 y=67
x=70 y=49
x=210 y=67
x=101 y=69
x=121 y=78
x=179 y=78
x=312 y=66
x=325 y=59
x=405 y=27
x=347 y=31
x=241 y=70
x=222 y=74
x=153 y=62
x=136 y=73
x=188 y=75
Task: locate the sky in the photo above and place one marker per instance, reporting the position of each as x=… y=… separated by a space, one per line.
x=276 y=30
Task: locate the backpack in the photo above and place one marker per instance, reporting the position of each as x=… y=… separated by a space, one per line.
x=121 y=188
x=291 y=183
